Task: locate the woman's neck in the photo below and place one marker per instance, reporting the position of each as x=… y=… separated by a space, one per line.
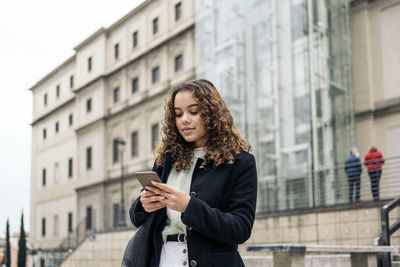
x=199 y=148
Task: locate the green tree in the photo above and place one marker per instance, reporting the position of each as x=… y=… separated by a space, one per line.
x=22 y=245
x=7 y=260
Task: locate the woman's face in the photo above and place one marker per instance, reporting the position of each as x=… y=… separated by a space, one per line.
x=187 y=119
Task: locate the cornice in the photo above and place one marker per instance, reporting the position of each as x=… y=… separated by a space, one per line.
x=355 y=3
x=128 y=16
x=127 y=177
x=51 y=111
x=61 y=66
x=383 y=107
x=87 y=125
x=90 y=38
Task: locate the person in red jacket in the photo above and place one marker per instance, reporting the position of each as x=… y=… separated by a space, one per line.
x=374 y=160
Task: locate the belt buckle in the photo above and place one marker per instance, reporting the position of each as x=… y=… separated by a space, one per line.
x=184 y=239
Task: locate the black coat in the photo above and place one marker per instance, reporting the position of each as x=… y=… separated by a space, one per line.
x=219 y=216
x=352 y=166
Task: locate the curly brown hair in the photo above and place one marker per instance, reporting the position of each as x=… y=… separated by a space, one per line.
x=224 y=142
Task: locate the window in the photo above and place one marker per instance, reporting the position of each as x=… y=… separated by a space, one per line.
x=57 y=127
x=56 y=225
x=44 y=133
x=89 y=63
x=116 y=94
x=115 y=151
x=155 y=75
x=135 y=39
x=134 y=144
x=88 y=218
x=71 y=81
x=154 y=135
x=71 y=119
x=70 y=222
x=58 y=91
x=43 y=226
x=116 y=51
x=43 y=177
x=42 y=262
x=88 y=105
x=155 y=26
x=135 y=85
x=178 y=11
x=115 y=214
x=70 y=168
x=56 y=172
x=45 y=99
x=89 y=158
x=178 y=63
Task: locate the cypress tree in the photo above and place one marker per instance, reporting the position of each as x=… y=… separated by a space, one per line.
x=22 y=245
x=7 y=260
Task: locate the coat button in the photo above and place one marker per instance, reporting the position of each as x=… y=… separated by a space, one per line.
x=189 y=228
x=193 y=194
x=193 y=263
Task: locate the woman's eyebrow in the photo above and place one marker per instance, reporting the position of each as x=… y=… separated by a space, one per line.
x=191 y=105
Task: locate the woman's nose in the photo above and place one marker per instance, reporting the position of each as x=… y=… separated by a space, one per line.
x=185 y=118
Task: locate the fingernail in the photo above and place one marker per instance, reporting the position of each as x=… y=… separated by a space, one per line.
x=161 y=198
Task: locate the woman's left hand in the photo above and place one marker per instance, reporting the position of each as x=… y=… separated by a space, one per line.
x=174 y=199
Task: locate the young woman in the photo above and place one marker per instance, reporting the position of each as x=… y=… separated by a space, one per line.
x=206 y=204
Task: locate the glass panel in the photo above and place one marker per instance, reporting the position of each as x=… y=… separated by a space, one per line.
x=285 y=76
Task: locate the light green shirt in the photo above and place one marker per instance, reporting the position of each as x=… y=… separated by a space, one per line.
x=180 y=180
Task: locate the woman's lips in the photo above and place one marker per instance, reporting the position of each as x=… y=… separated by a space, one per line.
x=188 y=130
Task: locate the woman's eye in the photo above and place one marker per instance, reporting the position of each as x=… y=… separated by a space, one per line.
x=178 y=115
x=194 y=112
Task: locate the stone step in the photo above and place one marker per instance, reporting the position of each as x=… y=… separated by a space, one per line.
x=311 y=261
x=330 y=260
x=257 y=261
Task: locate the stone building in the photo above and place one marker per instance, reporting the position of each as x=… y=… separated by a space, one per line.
x=111 y=89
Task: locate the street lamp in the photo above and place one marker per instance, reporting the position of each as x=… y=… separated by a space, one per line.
x=121 y=147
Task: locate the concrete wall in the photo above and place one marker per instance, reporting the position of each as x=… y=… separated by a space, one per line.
x=106 y=250
x=356 y=226
x=375 y=42
x=353 y=226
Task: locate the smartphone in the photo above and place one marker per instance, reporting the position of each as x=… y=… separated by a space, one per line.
x=145 y=178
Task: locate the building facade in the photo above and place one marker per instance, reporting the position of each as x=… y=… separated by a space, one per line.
x=376 y=59
x=111 y=89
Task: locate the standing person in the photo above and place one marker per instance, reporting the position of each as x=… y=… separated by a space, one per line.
x=206 y=204
x=374 y=160
x=353 y=170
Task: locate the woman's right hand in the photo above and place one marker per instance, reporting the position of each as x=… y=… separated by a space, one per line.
x=151 y=201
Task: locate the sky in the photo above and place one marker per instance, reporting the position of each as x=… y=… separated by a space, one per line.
x=35 y=38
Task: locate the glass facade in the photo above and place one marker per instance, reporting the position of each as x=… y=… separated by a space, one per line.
x=284 y=69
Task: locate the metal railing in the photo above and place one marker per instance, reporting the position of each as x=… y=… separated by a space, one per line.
x=103 y=220
x=384 y=259
x=328 y=186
